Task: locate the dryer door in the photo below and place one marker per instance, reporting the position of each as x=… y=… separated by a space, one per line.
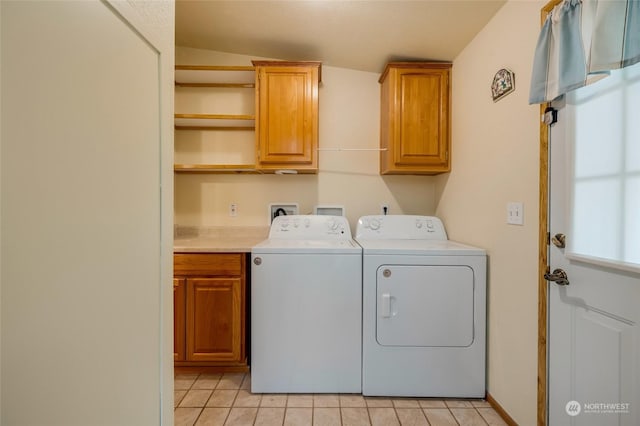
x=424 y=305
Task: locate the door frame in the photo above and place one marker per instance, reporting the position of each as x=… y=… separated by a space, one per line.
x=543 y=255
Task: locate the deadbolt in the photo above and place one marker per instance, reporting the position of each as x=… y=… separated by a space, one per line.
x=559 y=240
x=559 y=276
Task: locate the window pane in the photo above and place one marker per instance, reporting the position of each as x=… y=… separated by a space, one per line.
x=632 y=221
x=598 y=135
x=596 y=224
x=632 y=128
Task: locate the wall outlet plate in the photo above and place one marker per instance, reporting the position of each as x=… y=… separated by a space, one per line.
x=289 y=208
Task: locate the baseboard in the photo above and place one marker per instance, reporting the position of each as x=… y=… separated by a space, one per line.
x=501 y=411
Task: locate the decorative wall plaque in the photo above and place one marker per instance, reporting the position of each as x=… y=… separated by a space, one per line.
x=504 y=82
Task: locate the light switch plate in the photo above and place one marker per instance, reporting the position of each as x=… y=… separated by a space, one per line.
x=515 y=213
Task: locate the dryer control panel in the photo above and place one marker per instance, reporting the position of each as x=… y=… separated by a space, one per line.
x=310 y=227
x=400 y=227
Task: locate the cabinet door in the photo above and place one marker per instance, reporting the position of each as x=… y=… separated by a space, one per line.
x=416 y=127
x=179 y=323
x=287 y=117
x=214 y=319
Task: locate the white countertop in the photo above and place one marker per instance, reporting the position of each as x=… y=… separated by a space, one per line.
x=218 y=239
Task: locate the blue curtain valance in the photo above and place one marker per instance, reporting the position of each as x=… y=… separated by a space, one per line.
x=580 y=41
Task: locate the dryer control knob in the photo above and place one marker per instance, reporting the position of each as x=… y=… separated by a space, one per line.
x=374 y=224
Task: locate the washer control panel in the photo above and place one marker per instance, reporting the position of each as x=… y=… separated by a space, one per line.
x=310 y=227
x=400 y=227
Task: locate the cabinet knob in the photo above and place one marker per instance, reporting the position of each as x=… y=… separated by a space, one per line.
x=257 y=261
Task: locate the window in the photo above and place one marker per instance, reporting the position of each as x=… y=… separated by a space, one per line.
x=604 y=131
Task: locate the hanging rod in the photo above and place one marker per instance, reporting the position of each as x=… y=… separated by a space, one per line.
x=352 y=149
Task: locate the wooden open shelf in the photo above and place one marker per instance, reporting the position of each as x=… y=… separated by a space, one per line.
x=215 y=168
x=215 y=76
x=214 y=122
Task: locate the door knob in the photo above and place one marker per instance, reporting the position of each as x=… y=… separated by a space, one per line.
x=559 y=276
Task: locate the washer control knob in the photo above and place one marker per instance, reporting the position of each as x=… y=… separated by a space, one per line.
x=374 y=224
x=332 y=225
x=257 y=261
x=418 y=224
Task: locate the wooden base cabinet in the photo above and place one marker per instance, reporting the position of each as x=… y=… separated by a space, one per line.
x=415 y=118
x=209 y=310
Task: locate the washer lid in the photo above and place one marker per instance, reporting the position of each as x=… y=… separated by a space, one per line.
x=284 y=246
x=419 y=247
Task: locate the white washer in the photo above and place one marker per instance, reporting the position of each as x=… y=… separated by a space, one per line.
x=424 y=324
x=306 y=307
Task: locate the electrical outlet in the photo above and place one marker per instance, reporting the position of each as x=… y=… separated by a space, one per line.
x=233 y=210
x=515 y=213
x=384 y=209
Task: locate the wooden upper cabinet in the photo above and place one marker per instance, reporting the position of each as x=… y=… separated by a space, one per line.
x=287 y=115
x=415 y=118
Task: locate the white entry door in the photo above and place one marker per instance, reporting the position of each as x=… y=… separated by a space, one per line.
x=594 y=311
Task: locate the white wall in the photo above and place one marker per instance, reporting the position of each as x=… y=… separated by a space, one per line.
x=86 y=213
x=495 y=160
x=349 y=118
x=1 y=212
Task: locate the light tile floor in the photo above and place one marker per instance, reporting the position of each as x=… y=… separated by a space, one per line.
x=226 y=399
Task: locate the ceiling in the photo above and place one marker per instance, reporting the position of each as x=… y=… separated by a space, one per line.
x=357 y=34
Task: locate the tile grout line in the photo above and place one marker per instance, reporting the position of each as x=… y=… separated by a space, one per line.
x=202 y=408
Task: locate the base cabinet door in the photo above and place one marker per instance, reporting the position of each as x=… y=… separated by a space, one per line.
x=213 y=319
x=179 y=305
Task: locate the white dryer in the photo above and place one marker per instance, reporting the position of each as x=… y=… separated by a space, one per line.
x=424 y=310
x=306 y=307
